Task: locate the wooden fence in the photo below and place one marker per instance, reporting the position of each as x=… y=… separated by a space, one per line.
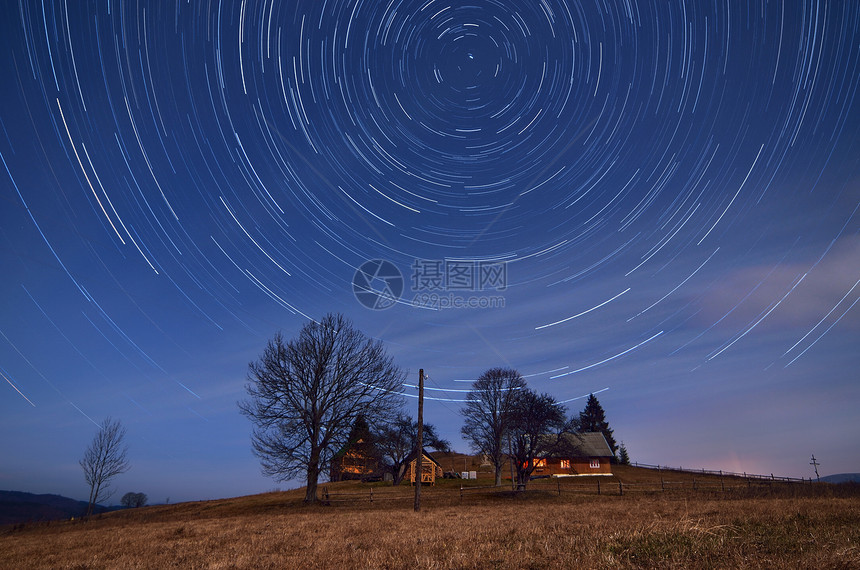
x=372 y=494
x=721 y=473
x=612 y=486
x=556 y=485
x=724 y=482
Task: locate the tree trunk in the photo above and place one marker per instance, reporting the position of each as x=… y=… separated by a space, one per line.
x=313 y=476
x=399 y=473
x=522 y=478
x=498 y=475
x=94 y=494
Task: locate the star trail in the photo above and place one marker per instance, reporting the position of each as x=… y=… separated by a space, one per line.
x=653 y=200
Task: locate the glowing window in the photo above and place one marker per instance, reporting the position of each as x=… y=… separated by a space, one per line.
x=595 y=464
x=540 y=462
x=565 y=463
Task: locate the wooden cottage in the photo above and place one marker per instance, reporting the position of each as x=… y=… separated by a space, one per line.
x=359 y=458
x=585 y=454
x=356 y=460
x=430 y=469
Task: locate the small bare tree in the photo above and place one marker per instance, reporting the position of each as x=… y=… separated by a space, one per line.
x=134 y=500
x=103 y=460
x=306 y=394
x=397 y=440
x=488 y=413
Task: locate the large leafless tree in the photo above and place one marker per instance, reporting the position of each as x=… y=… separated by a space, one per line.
x=104 y=459
x=488 y=411
x=306 y=394
x=538 y=429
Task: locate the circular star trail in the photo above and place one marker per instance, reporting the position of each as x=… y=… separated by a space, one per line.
x=423 y=129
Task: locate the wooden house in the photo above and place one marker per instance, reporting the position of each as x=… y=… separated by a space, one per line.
x=430 y=469
x=585 y=454
x=355 y=460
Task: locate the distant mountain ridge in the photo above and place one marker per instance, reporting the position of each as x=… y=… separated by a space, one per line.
x=842 y=478
x=17 y=507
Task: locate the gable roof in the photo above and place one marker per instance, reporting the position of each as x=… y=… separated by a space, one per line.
x=355 y=443
x=590 y=444
x=414 y=455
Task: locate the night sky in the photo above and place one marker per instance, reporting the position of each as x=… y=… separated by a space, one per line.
x=657 y=201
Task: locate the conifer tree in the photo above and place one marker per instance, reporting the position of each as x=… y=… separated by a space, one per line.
x=593 y=418
x=623 y=456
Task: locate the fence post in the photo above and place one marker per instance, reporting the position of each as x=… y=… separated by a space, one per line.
x=694 y=483
x=558 y=484
x=371 y=494
x=598 y=486
x=722 y=485
x=461 y=492
x=662 y=486
x=620 y=489
x=325 y=492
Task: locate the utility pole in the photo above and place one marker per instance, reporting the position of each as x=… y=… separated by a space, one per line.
x=419 y=460
x=815 y=464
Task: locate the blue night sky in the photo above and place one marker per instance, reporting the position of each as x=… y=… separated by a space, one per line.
x=654 y=200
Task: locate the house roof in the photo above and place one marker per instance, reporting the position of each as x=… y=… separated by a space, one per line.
x=357 y=443
x=413 y=456
x=590 y=444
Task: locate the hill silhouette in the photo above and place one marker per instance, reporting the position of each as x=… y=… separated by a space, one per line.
x=18 y=506
x=842 y=478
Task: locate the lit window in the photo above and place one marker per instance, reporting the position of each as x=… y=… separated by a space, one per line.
x=565 y=463
x=595 y=464
x=540 y=462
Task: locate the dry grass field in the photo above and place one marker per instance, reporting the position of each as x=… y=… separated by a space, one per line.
x=780 y=526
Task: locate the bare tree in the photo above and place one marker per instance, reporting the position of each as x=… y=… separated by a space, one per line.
x=103 y=460
x=133 y=500
x=306 y=394
x=538 y=429
x=488 y=413
x=397 y=440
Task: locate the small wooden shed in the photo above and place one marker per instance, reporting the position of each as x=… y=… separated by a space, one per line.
x=430 y=469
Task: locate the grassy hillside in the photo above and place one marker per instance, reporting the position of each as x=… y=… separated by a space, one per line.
x=780 y=526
